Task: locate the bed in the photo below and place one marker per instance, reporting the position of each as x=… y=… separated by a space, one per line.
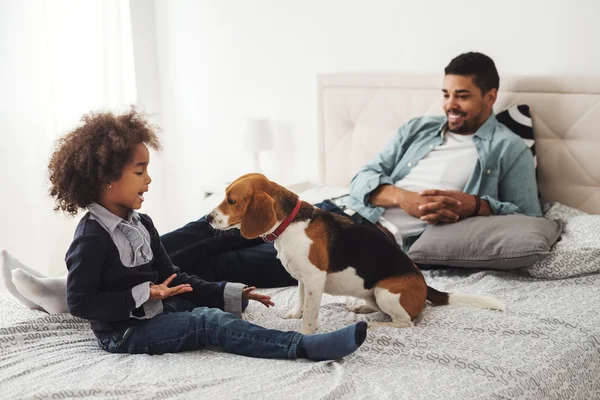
x=546 y=345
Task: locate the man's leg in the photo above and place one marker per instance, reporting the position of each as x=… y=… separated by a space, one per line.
x=197 y=241
x=215 y=255
x=48 y=293
x=31 y=287
x=254 y=266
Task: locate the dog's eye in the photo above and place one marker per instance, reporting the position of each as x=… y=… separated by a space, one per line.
x=232 y=202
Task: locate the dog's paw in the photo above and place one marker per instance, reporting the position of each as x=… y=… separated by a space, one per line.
x=293 y=314
x=364 y=309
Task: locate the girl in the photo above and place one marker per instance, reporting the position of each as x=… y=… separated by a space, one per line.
x=121 y=279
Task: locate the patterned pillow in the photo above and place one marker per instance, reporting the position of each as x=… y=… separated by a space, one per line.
x=578 y=252
x=518 y=120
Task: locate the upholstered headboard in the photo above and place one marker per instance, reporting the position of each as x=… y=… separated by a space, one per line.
x=360 y=113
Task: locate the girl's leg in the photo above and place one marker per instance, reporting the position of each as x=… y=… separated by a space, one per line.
x=175 y=331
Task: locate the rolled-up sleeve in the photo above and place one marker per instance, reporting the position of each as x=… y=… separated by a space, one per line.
x=379 y=170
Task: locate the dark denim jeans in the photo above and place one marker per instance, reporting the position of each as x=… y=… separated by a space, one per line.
x=183 y=326
x=217 y=256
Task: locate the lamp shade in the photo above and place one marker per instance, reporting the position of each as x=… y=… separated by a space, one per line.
x=259 y=136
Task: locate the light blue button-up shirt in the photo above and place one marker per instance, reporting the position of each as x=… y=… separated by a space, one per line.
x=504 y=175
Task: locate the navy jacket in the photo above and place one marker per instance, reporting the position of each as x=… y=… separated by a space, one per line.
x=99 y=286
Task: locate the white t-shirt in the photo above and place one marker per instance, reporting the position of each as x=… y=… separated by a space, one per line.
x=447 y=167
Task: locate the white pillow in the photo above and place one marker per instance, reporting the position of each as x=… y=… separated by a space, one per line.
x=578 y=250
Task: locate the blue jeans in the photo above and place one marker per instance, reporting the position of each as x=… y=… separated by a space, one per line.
x=183 y=326
x=198 y=249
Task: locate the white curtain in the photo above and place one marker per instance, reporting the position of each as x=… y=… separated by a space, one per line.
x=59 y=59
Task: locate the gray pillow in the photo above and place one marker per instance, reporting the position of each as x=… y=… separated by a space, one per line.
x=494 y=242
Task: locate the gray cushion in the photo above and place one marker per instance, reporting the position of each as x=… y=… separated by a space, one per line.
x=495 y=242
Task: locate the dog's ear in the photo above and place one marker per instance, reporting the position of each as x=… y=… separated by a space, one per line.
x=259 y=216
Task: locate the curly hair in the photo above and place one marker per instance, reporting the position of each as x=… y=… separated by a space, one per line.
x=94 y=154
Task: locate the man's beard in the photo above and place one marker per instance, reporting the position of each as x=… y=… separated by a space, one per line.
x=468 y=126
x=462 y=128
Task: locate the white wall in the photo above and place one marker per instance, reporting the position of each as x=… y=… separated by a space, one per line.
x=60 y=59
x=222 y=62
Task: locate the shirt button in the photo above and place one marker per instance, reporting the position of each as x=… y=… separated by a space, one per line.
x=431 y=146
x=410 y=164
x=489 y=171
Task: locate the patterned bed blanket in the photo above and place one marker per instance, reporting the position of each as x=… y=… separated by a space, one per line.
x=546 y=345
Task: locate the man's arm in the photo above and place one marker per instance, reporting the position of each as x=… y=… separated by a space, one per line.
x=379 y=170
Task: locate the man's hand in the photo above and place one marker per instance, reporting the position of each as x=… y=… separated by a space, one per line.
x=463 y=209
x=437 y=208
x=162 y=291
x=248 y=293
x=392 y=196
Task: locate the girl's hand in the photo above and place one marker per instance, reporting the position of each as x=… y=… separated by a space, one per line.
x=248 y=293
x=162 y=291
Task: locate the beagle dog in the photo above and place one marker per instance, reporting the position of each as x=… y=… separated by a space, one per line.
x=329 y=253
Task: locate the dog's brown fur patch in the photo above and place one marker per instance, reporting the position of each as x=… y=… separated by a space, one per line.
x=319 y=249
x=412 y=289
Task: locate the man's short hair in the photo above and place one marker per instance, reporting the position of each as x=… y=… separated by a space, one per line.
x=478 y=65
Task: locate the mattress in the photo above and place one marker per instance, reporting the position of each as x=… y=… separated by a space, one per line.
x=546 y=345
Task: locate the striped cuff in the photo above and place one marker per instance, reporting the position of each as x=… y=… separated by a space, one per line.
x=141 y=293
x=232 y=298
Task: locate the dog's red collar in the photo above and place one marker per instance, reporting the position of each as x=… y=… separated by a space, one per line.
x=269 y=238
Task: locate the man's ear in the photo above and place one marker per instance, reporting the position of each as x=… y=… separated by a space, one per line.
x=259 y=216
x=490 y=97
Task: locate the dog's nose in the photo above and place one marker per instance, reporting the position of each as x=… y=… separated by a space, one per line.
x=210 y=218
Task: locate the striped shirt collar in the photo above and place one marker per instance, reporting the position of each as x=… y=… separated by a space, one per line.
x=109 y=220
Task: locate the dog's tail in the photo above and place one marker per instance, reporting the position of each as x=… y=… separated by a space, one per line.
x=438 y=298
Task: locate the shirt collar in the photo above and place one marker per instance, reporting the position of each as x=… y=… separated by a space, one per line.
x=108 y=219
x=485 y=131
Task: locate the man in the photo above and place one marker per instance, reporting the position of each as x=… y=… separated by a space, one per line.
x=435 y=170
x=443 y=169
